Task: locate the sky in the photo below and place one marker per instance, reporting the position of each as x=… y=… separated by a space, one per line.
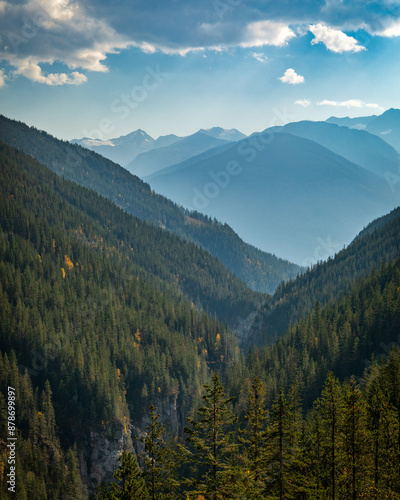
x=101 y=69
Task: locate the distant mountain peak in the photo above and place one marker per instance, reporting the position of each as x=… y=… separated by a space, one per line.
x=232 y=134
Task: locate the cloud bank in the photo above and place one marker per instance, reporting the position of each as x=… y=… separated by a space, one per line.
x=81 y=34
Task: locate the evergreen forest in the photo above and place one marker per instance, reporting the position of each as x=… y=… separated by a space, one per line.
x=121 y=352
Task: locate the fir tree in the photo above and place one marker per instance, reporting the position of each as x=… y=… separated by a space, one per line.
x=330 y=408
x=283 y=451
x=253 y=438
x=160 y=461
x=130 y=480
x=212 y=448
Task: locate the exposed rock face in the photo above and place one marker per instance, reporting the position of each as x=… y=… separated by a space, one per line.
x=245 y=326
x=99 y=457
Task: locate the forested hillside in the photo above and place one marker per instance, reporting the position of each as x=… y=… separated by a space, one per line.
x=92 y=314
x=347 y=446
x=340 y=337
x=260 y=270
x=379 y=242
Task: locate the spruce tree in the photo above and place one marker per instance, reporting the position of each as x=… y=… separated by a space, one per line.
x=211 y=448
x=330 y=409
x=283 y=452
x=355 y=456
x=160 y=461
x=253 y=438
x=130 y=480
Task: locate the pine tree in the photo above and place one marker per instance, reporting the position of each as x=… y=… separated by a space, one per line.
x=160 y=461
x=355 y=464
x=330 y=409
x=253 y=438
x=130 y=480
x=283 y=452
x=212 y=449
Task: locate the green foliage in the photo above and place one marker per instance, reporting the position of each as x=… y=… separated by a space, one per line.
x=328 y=281
x=340 y=337
x=43 y=469
x=253 y=440
x=283 y=450
x=129 y=481
x=160 y=461
x=211 y=447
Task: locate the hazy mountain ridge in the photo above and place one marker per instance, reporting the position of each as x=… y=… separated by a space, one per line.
x=148 y=163
x=386 y=126
x=124 y=149
x=260 y=270
x=309 y=193
x=326 y=282
x=358 y=146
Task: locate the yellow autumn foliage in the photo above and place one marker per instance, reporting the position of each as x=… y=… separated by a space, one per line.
x=68 y=263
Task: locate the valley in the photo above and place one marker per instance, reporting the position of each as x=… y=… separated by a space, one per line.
x=115 y=298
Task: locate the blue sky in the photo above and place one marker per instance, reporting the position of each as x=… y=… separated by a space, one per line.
x=103 y=69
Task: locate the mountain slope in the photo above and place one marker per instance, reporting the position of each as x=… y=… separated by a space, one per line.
x=326 y=282
x=94 y=313
x=386 y=126
x=281 y=192
x=147 y=163
x=340 y=337
x=357 y=146
x=261 y=271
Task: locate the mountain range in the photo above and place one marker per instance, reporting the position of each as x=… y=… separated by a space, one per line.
x=142 y=155
x=386 y=126
x=286 y=193
x=260 y=270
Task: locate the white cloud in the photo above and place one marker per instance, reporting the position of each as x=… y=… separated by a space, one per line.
x=34 y=72
x=303 y=102
x=2 y=78
x=266 y=33
x=49 y=31
x=222 y=37
x=350 y=103
x=334 y=40
x=390 y=31
x=291 y=77
x=258 y=56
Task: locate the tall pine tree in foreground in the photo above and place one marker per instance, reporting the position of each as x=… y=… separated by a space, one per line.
x=283 y=454
x=211 y=450
x=252 y=438
x=160 y=461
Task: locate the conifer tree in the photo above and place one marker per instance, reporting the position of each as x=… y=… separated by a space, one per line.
x=253 y=438
x=283 y=452
x=130 y=480
x=355 y=464
x=330 y=408
x=160 y=461
x=212 y=449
